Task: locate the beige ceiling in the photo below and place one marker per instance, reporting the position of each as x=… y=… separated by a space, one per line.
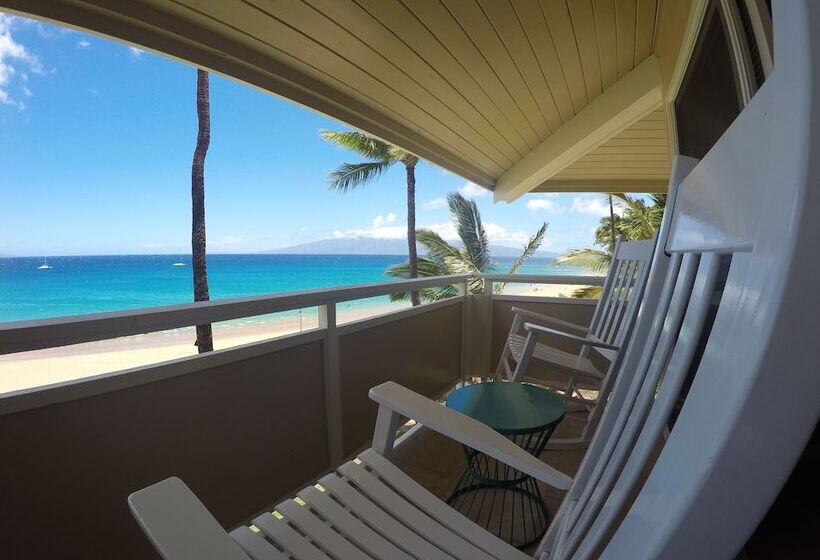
x=473 y=85
x=636 y=158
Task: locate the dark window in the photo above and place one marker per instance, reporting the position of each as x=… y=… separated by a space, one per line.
x=754 y=50
x=709 y=98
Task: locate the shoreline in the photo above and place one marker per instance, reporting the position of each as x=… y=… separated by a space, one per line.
x=54 y=365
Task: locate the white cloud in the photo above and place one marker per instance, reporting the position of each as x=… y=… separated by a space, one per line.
x=15 y=62
x=499 y=235
x=136 y=52
x=537 y=204
x=380 y=221
x=155 y=245
x=379 y=229
x=83 y=44
x=384 y=227
x=439 y=202
x=594 y=207
x=231 y=240
x=471 y=190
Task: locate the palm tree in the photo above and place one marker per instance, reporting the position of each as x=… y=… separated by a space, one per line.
x=204 y=336
x=639 y=221
x=474 y=256
x=381 y=156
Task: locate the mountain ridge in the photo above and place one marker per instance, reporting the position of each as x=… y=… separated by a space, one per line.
x=380 y=246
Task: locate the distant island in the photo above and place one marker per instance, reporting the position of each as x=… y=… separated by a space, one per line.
x=376 y=246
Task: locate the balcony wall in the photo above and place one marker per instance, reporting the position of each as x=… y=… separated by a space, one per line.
x=241 y=432
x=421 y=351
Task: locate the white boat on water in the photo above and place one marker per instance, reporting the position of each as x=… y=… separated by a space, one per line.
x=45 y=265
x=179 y=262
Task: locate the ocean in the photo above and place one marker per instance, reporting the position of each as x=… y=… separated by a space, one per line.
x=77 y=285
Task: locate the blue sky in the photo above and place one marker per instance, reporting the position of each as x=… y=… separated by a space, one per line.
x=96 y=140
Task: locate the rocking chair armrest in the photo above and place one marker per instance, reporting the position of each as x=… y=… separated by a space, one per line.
x=395 y=400
x=548 y=319
x=179 y=525
x=539 y=330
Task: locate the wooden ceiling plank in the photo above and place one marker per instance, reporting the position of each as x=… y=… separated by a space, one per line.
x=644 y=134
x=596 y=184
x=645 y=29
x=627 y=101
x=636 y=142
x=404 y=24
x=633 y=156
x=607 y=171
x=482 y=34
x=563 y=35
x=583 y=22
x=339 y=44
x=604 y=13
x=611 y=165
x=606 y=148
x=625 y=13
x=535 y=27
x=447 y=31
x=506 y=23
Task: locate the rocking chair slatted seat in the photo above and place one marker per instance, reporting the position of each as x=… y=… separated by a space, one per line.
x=368 y=508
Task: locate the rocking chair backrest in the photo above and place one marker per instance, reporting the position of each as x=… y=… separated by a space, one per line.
x=659 y=354
x=621 y=293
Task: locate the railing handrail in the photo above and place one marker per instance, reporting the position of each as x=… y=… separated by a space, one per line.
x=37 y=334
x=21 y=336
x=575 y=280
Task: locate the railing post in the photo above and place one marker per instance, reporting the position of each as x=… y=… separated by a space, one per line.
x=466 y=335
x=332 y=373
x=488 y=293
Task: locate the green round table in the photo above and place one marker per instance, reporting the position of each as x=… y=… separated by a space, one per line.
x=503 y=500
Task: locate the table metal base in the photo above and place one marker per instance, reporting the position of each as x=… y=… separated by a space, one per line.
x=503 y=500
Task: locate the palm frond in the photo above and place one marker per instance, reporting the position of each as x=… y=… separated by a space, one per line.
x=470 y=230
x=426 y=269
x=590 y=292
x=363 y=144
x=438 y=249
x=530 y=248
x=348 y=176
x=593 y=260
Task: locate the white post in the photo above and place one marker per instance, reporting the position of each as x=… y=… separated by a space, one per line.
x=488 y=345
x=333 y=397
x=464 y=361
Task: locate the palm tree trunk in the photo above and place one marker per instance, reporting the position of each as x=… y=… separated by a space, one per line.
x=412 y=256
x=204 y=336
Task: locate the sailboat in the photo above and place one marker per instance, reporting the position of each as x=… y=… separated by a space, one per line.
x=45 y=265
x=179 y=262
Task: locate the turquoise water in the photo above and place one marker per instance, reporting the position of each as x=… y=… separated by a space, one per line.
x=76 y=285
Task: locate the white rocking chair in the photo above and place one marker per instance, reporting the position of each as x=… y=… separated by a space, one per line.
x=606 y=335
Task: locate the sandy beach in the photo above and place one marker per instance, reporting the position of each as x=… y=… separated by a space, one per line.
x=54 y=365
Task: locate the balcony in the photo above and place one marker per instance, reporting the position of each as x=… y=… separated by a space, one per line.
x=245 y=425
